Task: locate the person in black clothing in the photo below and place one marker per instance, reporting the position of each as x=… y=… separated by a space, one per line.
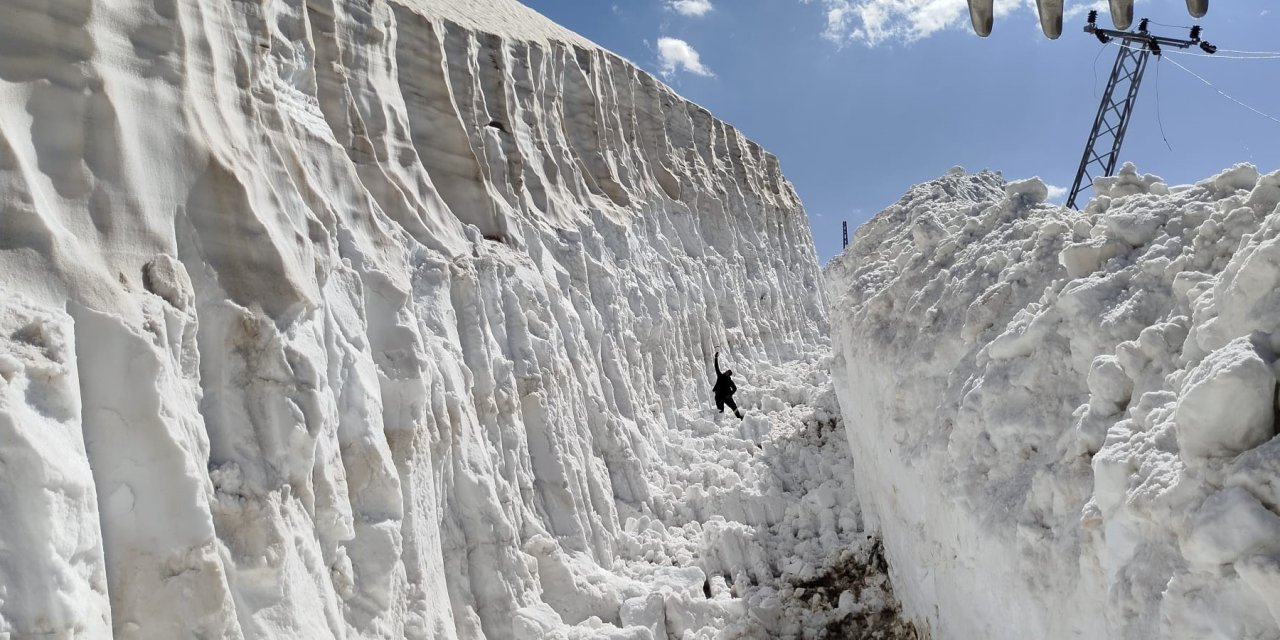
x=724 y=389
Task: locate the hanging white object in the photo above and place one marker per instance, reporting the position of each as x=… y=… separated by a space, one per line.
x=982 y=14
x=1050 y=17
x=1122 y=13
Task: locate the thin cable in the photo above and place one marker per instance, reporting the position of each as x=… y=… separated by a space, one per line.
x=1259 y=53
x=1220 y=92
x=1095 y=68
x=1243 y=55
x=1171 y=26
x=1159 y=118
x=1206 y=55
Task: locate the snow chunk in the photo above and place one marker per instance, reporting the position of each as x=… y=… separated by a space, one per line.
x=167 y=278
x=1262 y=573
x=1030 y=191
x=1083 y=258
x=648 y=611
x=1128 y=182
x=1266 y=194
x=1226 y=405
x=1231 y=524
x=573 y=585
x=537 y=621
x=1241 y=177
x=1108 y=381
x=927 y=232
x=1135 y=227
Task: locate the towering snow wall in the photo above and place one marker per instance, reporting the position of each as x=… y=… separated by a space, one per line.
x=1063 y=423
x=340 y=318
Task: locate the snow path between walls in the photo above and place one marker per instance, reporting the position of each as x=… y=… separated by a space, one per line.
x=1063 y=423
x=759 y=533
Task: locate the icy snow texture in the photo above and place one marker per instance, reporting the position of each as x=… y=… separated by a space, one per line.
x=342 y=318
x=1063 y=423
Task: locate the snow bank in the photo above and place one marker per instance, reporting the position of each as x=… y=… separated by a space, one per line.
x=339 y=319
x=1063 y=423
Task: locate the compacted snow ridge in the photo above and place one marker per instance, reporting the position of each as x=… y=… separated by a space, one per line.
x=1063 y=423
x=395 y=319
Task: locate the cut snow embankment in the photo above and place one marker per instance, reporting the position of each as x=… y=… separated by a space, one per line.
x=1063 y=423
x=350 y=319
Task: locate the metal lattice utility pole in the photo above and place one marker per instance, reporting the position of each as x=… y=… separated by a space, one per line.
x=846 y=234
x=1103 y=149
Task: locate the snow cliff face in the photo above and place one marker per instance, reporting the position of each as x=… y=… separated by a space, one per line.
x=1064 y=423
x=341 y=318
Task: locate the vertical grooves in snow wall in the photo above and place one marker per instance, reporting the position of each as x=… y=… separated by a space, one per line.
x=313 y=312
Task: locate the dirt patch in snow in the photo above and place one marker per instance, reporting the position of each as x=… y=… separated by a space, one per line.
x=859 y=617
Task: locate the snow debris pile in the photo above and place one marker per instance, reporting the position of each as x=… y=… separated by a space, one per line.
x=1063 y=424
x=395 y=319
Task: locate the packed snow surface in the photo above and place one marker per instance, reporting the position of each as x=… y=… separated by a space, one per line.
x=1063 y=423
x=395 y=319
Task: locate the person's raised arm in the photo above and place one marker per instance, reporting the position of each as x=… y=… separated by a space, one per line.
x=717 y=363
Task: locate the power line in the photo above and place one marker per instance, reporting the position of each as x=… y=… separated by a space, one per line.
x=1256 y=55
x=1261 y=53
x=1171 y=26
x=1223 y=94
x=1160 y=118
x=1095 y=68
x=1260 y=56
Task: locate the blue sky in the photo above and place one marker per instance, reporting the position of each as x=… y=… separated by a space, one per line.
x=859 y=111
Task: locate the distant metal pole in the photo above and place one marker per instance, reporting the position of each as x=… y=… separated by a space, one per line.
x=1102 y=151
x=845 y=226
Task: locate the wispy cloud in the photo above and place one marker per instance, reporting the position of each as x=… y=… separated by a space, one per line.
x=1056 y=193
x=676 y=55
x=691 y=7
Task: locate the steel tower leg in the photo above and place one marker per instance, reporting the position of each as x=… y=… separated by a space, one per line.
x=1109 y=126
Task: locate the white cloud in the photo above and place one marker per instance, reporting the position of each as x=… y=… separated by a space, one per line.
x=1056 y=193
x=871 y=22
x=675 y=55
x=1078 y=10
x=691 y=7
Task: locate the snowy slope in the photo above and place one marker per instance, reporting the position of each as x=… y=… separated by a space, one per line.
x=1063 y=423
x=347 y=319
